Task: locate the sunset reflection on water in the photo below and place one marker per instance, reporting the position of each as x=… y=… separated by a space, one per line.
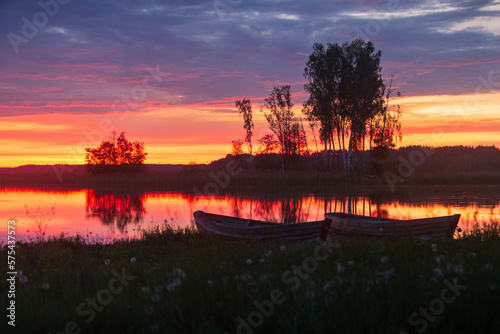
x=114 y=215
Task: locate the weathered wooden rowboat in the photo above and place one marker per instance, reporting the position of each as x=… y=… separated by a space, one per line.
x=384 y=227
x=241 y=228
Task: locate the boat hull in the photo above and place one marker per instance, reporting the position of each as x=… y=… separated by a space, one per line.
x=240 y=228
x=383 y=227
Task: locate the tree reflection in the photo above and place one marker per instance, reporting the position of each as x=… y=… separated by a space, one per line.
x=114 y=208
x=287 y=210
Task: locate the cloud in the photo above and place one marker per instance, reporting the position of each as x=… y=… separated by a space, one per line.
x=92 y=53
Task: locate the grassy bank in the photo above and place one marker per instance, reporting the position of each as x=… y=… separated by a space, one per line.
x=184 y=282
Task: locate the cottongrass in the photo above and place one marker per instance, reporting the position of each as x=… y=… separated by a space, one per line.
x=178 y=272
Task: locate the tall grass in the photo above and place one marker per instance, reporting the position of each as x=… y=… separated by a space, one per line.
x=185 y=282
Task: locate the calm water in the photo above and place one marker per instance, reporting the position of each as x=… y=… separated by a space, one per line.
x=112 y=215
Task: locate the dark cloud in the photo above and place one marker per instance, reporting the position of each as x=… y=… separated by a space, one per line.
x=96 y=52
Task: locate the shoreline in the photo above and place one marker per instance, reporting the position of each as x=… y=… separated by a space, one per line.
x=185 y=181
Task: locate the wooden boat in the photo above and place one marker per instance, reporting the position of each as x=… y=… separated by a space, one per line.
x=241 y=228
x=384 y=227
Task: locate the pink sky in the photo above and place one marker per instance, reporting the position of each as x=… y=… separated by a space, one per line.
x=169 y=76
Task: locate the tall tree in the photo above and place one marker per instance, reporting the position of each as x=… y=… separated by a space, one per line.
x=361 y=91
x=280 y=118
x=346 y=92
x=323 y=71
x=245 y=109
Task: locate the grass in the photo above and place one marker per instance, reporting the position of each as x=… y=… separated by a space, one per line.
x=178 y=281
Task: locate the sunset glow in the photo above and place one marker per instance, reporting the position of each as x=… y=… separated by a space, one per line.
x=183 y=134
x=171 y=77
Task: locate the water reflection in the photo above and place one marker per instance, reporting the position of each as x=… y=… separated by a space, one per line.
x=286 y=210
x=112 y=213
x=115 y=209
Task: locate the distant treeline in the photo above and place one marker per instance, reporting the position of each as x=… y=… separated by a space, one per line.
x=421 y=158
x=449 y=158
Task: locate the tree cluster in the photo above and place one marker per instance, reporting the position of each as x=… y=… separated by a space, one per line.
x=116 y=154
x=348 y=100
x=288 y=136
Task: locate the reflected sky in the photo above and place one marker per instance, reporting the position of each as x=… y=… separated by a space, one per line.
x=113 y=215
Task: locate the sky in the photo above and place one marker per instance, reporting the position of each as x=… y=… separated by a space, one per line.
x=168 y=72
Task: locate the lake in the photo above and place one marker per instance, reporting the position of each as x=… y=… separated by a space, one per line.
x=110 y=215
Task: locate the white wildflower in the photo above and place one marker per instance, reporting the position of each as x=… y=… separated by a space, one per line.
x=488 y=267
x=459 y=269
x=176 y=282
x=246 y=277
x=437 y=272
x=309 y=294
x=389 y=273
x=179 y=272
x=439 y=259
